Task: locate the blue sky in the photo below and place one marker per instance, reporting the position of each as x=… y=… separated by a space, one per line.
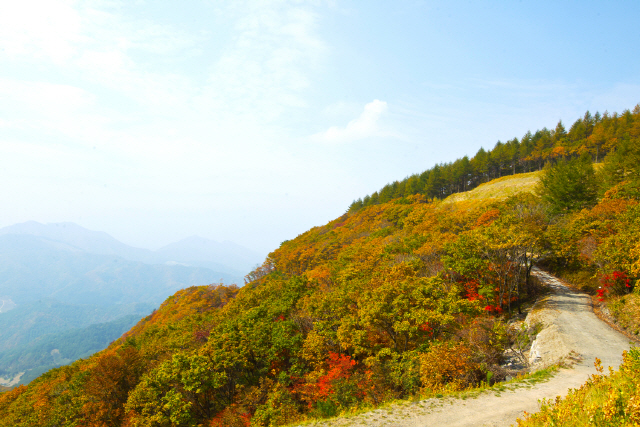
x=255 y=120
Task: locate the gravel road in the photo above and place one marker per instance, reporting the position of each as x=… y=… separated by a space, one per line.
x=570 y=328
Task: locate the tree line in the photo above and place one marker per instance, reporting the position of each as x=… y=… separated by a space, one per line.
x=595 y=135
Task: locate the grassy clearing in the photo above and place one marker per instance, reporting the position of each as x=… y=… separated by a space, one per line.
x=500 y=188
x=506 y=186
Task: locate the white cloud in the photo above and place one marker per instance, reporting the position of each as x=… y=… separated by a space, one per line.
x=268 y=66
x=106 y=56
x=39 y=29
x=365 y=126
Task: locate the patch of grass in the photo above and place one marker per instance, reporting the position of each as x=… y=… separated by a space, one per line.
x=499 y=188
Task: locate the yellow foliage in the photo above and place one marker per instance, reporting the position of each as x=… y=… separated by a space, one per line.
x=447 y=367
x=612 y=400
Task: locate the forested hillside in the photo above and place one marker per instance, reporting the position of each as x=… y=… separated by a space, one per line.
x=396 y=298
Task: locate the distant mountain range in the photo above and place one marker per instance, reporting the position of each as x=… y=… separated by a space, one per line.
x=56 y=280
x=226 y=257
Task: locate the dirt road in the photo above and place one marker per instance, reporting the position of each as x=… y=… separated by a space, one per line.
x=570 y=327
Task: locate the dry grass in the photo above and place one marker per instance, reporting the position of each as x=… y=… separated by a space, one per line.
x=499 y=188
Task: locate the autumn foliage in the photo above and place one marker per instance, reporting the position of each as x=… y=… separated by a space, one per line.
x=601 y=401
x=395 y=298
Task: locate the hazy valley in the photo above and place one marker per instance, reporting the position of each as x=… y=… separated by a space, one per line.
x=67 y=292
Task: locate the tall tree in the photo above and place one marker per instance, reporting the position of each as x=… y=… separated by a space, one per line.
x=569 y=185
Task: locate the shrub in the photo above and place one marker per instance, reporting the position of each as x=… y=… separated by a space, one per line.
x=448 y=366
x=602 y=401
x=616 y=283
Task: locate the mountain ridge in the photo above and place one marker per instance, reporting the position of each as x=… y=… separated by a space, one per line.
x=227 y=257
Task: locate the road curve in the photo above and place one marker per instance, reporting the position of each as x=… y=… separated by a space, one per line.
x=570 y=327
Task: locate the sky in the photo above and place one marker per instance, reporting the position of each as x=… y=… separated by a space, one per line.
x=255 y=120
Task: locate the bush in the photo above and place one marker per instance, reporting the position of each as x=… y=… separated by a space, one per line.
x=448 y=367
x=616 y=283
x=280 y=408
x=626 y=310
x=602 y=401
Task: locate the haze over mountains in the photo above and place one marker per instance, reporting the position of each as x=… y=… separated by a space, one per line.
x=60 y=282
x=233 y=260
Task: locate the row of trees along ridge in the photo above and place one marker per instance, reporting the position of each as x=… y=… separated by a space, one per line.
x=595 y=134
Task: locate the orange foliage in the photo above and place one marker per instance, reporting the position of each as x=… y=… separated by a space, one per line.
x=107 y=389
x=183 y=303
x=232 y=416
x=487 y=217
x=8 y=397
x=610 y=208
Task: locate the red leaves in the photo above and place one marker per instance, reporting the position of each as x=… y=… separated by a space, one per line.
x=617 y=283
x=472 y=290
x=426 y=328
x=339 y=367
x=491 y=308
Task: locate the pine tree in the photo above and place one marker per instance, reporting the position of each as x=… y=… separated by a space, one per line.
x=569 y=185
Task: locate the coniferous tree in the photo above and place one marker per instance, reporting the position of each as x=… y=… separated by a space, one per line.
x=569 y=185
x=623 y=166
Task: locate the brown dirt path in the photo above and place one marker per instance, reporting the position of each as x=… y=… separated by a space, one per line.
x=570 y=327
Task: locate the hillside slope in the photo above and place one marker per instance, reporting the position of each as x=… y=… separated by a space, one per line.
x=370 y=307
x=405 y=296
x=345 y=313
